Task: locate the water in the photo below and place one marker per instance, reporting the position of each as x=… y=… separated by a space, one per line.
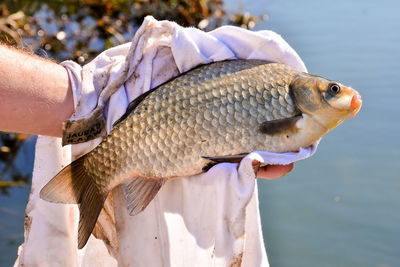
x=12 y=208
x=342 y=206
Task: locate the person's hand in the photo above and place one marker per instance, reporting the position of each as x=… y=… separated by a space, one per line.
x=271 y=171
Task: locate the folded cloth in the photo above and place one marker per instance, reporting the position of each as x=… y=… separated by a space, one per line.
x=210 y=219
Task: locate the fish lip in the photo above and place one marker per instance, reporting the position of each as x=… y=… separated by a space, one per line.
x=355 y=104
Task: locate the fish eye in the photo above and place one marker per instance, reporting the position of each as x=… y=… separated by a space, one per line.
x=334 y=89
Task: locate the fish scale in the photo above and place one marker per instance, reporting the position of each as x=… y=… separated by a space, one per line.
x=214 y=113
x=242 y=92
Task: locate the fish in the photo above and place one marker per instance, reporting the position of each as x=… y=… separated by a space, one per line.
x=214 y=113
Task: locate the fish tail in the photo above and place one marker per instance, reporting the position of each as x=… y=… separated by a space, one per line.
x=89 y=210
x=73 y=185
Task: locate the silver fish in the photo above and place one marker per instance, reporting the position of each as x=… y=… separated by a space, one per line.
x=213 y=113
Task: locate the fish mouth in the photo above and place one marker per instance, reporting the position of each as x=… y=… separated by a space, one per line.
x=355 y=104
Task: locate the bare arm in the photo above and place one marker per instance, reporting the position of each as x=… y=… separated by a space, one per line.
x=35 y=96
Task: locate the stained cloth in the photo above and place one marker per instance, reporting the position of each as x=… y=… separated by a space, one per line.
x=210 y=219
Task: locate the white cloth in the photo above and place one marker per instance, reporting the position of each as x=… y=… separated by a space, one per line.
x=205 y=220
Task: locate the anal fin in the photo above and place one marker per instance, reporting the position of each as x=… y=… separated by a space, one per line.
x=139 y=192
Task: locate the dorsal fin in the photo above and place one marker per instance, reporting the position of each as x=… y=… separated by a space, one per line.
x=132 y=106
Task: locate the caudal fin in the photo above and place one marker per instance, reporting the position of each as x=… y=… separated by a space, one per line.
x=89 y=210
x=74 y=186
x=68 y=185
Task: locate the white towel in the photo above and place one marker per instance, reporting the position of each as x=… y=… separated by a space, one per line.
x=210 y=219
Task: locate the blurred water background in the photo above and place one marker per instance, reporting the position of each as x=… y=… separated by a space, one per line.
x=339 y=208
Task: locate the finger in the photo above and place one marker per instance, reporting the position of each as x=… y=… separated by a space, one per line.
x=274 y=171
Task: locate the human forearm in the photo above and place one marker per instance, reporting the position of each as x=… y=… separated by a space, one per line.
x=35 y=96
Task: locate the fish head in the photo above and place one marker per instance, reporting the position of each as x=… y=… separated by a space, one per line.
x=327 y=102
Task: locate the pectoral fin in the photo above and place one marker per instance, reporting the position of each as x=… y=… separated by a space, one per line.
x=275 y=127
x=139 y=192
x=219 y=159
